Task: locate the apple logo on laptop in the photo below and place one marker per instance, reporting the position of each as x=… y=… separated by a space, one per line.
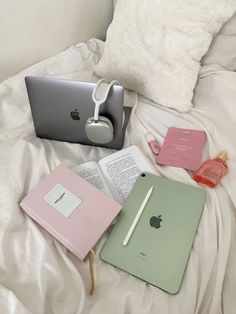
x=75 y=115
x=155 y=221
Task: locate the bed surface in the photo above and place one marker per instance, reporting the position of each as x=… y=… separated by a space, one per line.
x=38 y=275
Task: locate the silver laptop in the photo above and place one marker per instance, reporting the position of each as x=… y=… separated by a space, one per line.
x=60 y=109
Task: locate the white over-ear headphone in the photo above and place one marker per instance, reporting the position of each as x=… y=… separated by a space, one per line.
x=99 y=129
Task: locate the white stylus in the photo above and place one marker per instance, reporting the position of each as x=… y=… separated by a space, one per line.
x=136 y=219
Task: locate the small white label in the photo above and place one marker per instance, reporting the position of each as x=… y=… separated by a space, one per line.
x=62 y=199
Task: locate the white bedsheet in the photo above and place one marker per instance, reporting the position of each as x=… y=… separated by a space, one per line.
x=38 y=275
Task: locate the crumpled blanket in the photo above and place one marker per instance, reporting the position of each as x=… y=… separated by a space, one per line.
x=38 y=275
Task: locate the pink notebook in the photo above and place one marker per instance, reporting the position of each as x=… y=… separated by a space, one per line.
x=71 y=209
x=182 y=148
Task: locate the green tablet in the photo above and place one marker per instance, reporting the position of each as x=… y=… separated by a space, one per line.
x=160 y=244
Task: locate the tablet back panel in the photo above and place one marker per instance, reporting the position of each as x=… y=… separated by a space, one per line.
x=160 y=245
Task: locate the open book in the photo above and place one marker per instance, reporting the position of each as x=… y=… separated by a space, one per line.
x=115 y=174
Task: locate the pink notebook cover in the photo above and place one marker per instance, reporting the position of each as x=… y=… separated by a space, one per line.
x=182 y=148
x=71 y=209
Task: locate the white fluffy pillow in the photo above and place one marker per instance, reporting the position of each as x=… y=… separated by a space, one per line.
x=154 y=47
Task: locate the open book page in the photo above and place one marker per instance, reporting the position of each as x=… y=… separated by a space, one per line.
x=91 y=172
x=121 y=170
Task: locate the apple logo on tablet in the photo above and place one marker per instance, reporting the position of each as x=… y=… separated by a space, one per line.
x=75 y=115
x=155 y=221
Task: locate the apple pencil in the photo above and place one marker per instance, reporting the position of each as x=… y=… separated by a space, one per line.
x=136 y=219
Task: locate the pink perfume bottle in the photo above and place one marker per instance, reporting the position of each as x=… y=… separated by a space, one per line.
x=211 y=171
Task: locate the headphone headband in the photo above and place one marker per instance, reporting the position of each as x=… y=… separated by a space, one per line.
x=100 y=94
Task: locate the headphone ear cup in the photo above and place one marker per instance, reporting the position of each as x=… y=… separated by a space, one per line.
x=99 y=131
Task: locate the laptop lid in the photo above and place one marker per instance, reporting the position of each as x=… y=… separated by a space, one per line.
x=160 y=245
x=60 y=109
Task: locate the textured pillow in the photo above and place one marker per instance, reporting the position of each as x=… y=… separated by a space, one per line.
x=155 y=47
x=223 y=48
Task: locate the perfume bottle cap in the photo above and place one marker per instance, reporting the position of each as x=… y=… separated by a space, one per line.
x=223 y=156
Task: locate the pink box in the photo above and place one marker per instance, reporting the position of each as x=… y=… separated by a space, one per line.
x=182 y=148
x=71 y=209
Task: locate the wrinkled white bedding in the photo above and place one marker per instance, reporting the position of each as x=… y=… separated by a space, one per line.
x=38 y=275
